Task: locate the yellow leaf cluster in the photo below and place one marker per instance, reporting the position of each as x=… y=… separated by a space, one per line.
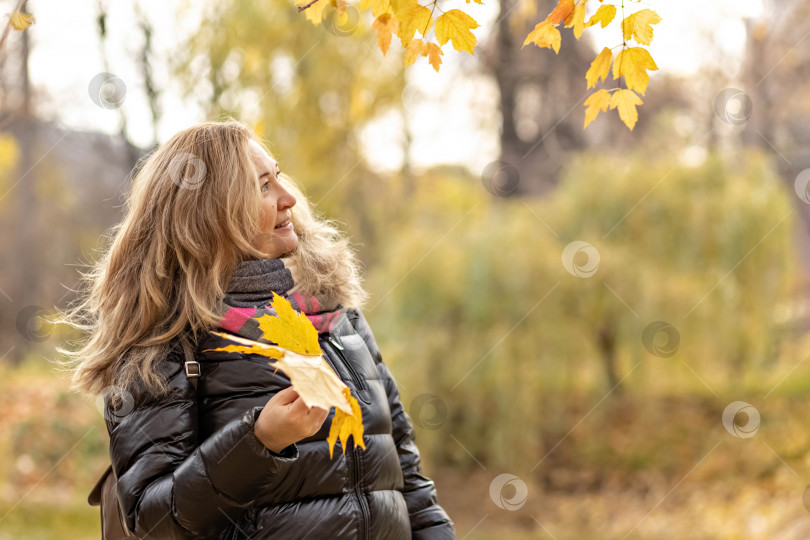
x=298 y=354
x=404 y=18
x=631 y=63
x=411 y=22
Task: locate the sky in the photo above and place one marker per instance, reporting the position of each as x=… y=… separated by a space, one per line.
x=66 y=56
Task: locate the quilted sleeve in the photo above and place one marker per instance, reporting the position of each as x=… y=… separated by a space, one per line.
x=172 y=485
x=429 y=521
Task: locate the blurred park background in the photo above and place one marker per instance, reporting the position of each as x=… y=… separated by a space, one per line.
x=598 y=333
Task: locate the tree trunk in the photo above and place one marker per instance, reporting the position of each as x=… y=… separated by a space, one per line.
x=541 y=95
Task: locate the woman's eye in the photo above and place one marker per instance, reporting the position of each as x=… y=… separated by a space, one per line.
x=265 y=186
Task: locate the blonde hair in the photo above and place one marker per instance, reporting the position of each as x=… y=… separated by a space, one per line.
x=192 y=211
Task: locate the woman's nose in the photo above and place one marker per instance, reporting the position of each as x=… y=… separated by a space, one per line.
x=286 y=200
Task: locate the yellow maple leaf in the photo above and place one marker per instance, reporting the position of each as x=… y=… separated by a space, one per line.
x=544 y=35
x=314 y=12
x=414 y=49
x=633 y=63
x=301 y=359
x=412 y=17
x=626 y=100
x=290 y=329
x=310 y=375
x=434 y=53
x=639 y=25
x=600 y=67
x=455 y=25
x=603 y=15
x=560 y=11
x=476 y=1
x=248 y=346
x=385 y=25
x=313 y=379
x=21 y=21
x=576 y=19
x=344 y=425
x=596 y=102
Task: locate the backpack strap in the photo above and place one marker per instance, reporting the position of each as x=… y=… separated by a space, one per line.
x=193 y=368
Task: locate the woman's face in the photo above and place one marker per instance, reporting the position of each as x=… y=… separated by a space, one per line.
x=277 y=205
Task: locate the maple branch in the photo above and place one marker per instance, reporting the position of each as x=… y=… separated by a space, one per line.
x=624 y=47
x=302 y=8
x=435 y=4
x=8 y=24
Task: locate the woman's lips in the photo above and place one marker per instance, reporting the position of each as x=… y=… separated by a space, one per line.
x=286 y=227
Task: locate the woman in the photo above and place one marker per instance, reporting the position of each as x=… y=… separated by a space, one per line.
x=212 y=229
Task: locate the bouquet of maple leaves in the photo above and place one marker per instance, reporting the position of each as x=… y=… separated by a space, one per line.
x=298 y=354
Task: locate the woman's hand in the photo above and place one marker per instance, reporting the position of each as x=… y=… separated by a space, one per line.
x=286 y=419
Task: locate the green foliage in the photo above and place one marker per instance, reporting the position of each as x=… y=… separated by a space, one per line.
x=510 y=340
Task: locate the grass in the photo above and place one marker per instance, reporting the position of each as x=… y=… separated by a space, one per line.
x=44 y=521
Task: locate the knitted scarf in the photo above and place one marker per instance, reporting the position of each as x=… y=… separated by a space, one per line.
x=250 y=292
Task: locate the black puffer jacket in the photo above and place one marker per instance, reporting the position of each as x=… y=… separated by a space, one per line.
x=190 y=466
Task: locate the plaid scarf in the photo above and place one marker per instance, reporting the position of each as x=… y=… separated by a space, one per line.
x=250 y=292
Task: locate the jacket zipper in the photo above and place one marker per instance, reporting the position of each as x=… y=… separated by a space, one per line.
x=326 y=356
x=364 y=511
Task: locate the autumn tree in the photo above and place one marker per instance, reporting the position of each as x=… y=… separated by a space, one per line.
x=295 y=88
